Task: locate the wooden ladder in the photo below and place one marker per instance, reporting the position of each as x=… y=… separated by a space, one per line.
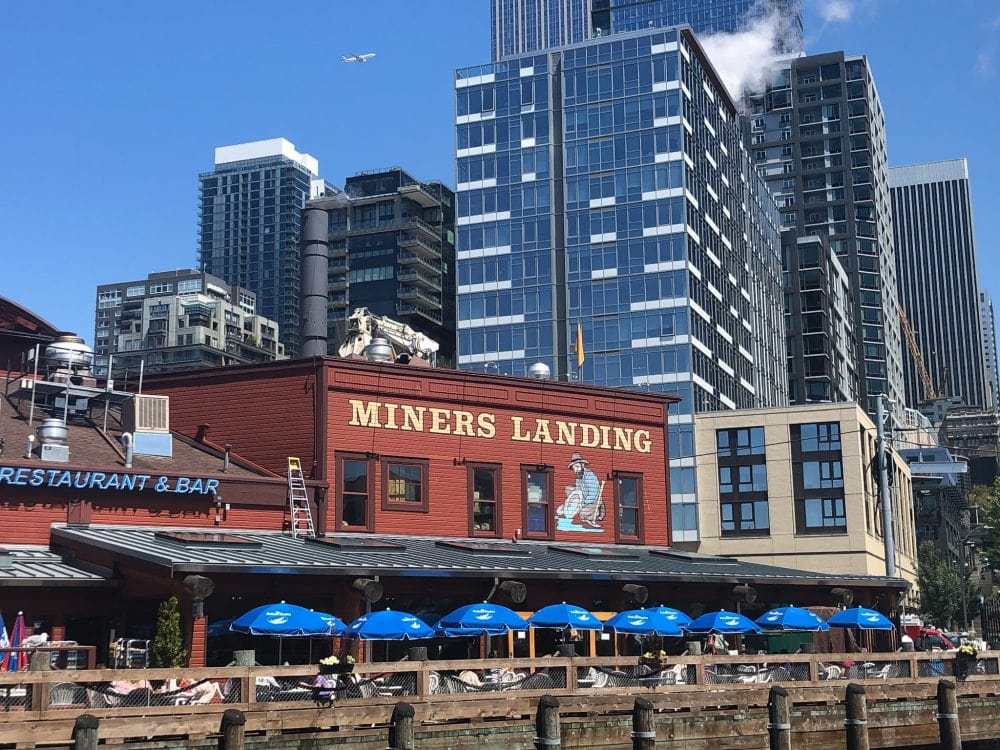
x=298 y=501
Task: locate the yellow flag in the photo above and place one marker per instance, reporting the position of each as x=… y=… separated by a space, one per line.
x=578 y=346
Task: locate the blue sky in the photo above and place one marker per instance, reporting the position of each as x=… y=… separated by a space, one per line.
x=112 y=108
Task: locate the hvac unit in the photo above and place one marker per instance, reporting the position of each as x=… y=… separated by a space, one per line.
x=146 y=414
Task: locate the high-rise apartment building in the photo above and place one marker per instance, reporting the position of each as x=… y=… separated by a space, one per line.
x=250 y=219
x=180 y=320
x=987 y=320
x=818 y=137
x=939 y=279
x=521 y=27
x=392 y=250
x=605 y=188
x=819 y=322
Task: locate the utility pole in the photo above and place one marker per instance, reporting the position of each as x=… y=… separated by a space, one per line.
x=883 y=486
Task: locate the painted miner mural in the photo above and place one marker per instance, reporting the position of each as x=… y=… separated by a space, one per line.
x=583 y=509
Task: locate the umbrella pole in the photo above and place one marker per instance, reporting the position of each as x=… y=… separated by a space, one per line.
x=279 y=651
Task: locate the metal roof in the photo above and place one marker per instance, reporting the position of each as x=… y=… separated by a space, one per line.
x=38 y=566
x=265 y=552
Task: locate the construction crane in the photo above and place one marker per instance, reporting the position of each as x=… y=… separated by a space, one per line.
x=930 y=392
x=407 y=345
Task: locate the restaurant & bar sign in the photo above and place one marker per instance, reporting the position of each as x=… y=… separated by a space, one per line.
x=23 y=476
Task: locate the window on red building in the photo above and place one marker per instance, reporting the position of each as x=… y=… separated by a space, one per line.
x=484 y=499
x=404 y=484
x=536 y=483
x=355 y=492
x=628 y=501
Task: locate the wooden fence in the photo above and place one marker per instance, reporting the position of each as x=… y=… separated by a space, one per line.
x=698 y=701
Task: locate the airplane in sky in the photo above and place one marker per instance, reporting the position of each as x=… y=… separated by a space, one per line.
x=357 y=58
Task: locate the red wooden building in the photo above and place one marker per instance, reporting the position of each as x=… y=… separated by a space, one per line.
x=429 y=489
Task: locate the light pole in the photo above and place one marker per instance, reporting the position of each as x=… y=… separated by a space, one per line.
x=881 y=417
x=968 y=541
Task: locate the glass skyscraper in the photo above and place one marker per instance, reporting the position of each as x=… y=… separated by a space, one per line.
x=250 y=217
x=605 y=186
x=939 y=280
x=524 y=26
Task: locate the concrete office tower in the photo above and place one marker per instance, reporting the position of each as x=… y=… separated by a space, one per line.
x=605 y=186
x=250 y=217
x=938 y=280
x=392 y=250
x=819 y=322
x=520 y=27
x=818 y=137
x=987 y=320
x=174 y=321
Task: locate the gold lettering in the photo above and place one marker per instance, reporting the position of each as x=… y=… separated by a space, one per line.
x=440 y=422
x=542 y=434
x=518 y=435
x=604 y=437
x=364 y=414
x=623 y=439
x=567 y=433
x=591 y=436
x=463 y=423
x=413 y=417
x=642 y=441
x=390 y=416
x=487 y=425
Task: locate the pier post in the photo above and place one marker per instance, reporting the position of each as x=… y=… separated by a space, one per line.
x=85 y=732
x=643 y=727
x=547 y=734
x=233 y=730
x=401 y=727
x=856 y=722
x=779 y=727
x=947 y=700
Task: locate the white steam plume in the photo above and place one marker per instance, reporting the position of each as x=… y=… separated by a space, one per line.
x=745 y=60
x=833 y=11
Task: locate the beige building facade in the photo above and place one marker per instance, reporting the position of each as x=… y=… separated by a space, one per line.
x=795 y=486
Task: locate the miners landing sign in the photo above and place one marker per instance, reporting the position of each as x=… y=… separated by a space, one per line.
x=386 y=415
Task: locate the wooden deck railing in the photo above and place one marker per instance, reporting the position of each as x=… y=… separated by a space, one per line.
x=40 y=707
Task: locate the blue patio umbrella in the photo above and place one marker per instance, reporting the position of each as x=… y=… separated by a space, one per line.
x=722 y=622
x=860 y=617
x=642 y=622
x=479 y=619
x=791 y=618
x=673 y=615
x=388 y=625
x=564 y=616
x=283 y=620
x=286 y=621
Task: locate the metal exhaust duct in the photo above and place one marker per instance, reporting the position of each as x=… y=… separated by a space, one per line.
x=315 y=264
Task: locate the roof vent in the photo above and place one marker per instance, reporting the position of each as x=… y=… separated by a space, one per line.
x=379 y=350
x=540 y=371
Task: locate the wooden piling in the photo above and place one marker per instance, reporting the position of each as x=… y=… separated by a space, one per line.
x=779 y=727
x=547 y=733
x=947 y=700
x=85 y=732
x=643 y=727
x=856 y=722
x=233 y=735
x=401 y=727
